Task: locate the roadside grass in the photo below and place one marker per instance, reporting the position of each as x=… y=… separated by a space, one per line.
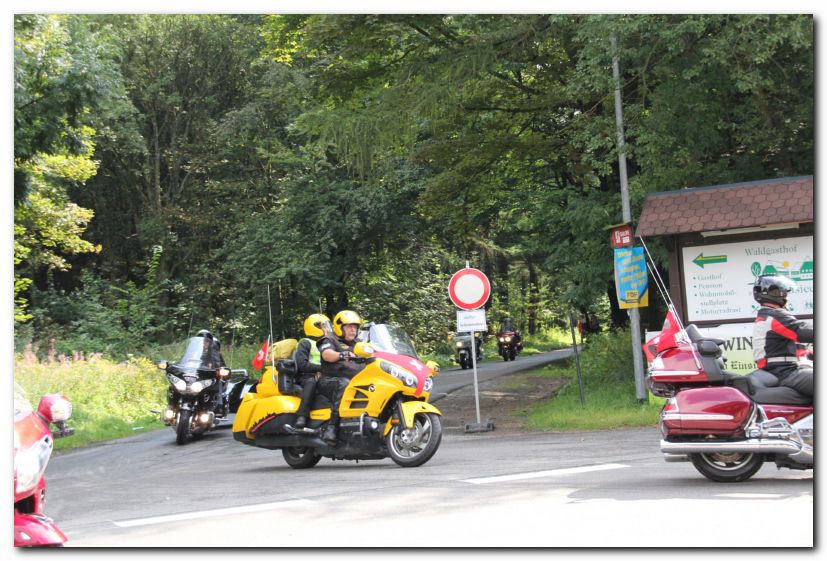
x=608 y=388
x=109 y=399
x=545 y=341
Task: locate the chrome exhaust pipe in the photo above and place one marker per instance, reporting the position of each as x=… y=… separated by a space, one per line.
x=755 y=446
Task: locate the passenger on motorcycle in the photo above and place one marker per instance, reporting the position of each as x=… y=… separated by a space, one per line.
x=776 y=333
x=338 y=366
x=309 y=363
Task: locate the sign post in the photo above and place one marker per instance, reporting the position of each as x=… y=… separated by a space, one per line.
x=469 y=289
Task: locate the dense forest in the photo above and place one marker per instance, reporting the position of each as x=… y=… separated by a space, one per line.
x=175 y=172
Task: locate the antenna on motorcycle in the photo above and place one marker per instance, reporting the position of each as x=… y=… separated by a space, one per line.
x=189 y=331
x=270 y=314
x=661 y=286
x=320 y=306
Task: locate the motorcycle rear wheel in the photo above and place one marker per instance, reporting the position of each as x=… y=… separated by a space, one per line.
x=727 y=468
x=300 y=457
x=413 y=447
x=182 y=429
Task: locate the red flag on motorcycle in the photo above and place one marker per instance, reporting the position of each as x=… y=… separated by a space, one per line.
x=261 y=356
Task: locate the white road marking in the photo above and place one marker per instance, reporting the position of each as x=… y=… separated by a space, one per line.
x=537 y=474
x=206 y=513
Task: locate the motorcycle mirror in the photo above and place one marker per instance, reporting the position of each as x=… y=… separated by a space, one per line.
x=54 y=408
x=434 y=366
x=363 y=350
x=162 y=365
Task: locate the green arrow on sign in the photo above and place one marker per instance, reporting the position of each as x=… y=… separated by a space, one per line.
x=700 y=260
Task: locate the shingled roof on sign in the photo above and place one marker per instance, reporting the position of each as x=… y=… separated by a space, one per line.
x=723 y=207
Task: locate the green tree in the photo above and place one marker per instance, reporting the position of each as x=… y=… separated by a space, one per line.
x=59 y=80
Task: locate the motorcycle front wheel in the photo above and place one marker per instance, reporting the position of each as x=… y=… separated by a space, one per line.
x=415 y=446
x=727 y=467
x=182 y=429
x=300 y=457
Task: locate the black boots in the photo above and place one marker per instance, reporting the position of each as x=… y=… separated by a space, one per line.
x=301 y=422
x=330 y=434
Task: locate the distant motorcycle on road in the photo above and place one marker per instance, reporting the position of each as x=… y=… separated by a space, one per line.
x=509 y=340
x=203 y=391
x=462 y=344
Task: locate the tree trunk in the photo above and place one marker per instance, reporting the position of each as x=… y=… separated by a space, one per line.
x=533 y=298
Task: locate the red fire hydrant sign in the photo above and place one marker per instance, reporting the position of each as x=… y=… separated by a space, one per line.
x=469 y=288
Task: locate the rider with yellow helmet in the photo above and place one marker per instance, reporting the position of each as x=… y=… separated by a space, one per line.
x=337 y=366
x=309 y=364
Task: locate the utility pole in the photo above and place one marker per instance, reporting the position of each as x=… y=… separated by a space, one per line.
x=634 y=313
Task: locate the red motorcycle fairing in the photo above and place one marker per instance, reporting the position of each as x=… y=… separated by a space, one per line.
x=792 y=413
x=677 y=365
x=36 y=530
x=718 y=410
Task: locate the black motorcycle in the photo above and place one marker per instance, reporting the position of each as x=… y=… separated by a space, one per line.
x=462 y=343
x=509 y=341
x=203 y=391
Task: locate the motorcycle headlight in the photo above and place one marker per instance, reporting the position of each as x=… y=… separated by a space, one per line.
x=196 y=387
x=31 y=463
x=429 y=383
x=459 y=345
x=176 y=382
x=401 y=374
x=502 y=339
x=508 y=339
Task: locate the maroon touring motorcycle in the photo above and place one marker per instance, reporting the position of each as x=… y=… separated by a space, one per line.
x=726 y=424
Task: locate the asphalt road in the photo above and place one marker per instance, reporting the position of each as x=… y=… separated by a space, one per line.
x=592 y=489
x=449 y=380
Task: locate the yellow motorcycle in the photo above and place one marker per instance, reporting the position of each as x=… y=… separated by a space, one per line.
x=384 y=411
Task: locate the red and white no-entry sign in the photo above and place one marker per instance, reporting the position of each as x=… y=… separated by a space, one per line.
x=469 y=288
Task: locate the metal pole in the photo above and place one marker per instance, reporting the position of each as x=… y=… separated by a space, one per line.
x=577 y=358
x=634 y=313
x=476 y=387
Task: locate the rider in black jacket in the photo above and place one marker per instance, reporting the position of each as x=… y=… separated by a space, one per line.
x=777 y=332
x=338 y=366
